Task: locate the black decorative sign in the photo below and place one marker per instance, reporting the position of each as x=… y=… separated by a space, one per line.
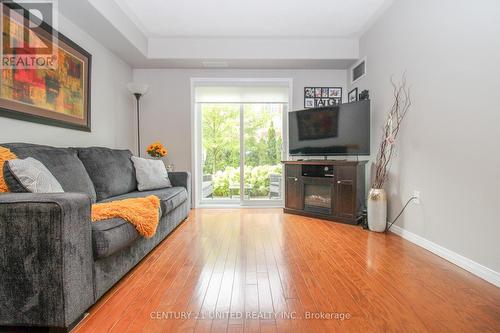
x=315 y=97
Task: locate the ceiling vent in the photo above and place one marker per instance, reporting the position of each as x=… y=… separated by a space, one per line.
x=215 y=64
x=358 y=70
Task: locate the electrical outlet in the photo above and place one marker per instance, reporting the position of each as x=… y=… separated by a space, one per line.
x=416 y=194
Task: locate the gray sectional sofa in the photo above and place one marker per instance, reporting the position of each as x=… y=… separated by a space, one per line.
x=56 y=263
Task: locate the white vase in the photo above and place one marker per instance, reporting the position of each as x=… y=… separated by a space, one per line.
x=377 y=210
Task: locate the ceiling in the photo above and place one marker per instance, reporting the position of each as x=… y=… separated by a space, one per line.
x=271 y=34
x=251 y=18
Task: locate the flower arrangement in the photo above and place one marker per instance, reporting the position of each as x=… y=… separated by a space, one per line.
x=377 y=197
x=395 y=117
x=157 y=150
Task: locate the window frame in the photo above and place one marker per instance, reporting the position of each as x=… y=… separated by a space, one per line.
x=196 y=144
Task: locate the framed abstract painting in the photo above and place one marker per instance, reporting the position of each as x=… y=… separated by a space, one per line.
x=45 y=80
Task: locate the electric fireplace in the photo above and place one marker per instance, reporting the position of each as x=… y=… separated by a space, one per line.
x=318 y=198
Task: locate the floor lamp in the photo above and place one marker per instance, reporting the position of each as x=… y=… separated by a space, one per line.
x=138 y=90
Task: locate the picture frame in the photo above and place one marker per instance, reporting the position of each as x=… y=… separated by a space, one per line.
x=309 y=103
x=353 y=95
x=57 y=97
x=322 y=96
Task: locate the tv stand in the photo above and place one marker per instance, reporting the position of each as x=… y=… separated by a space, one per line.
x=327 y=189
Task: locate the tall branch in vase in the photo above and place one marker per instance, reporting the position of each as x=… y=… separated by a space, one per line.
x=395 y=117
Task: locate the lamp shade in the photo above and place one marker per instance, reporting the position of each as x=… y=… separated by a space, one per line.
x=137 y=88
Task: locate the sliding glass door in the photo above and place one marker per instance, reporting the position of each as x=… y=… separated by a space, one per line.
x=262 y=144
x=220 y=152
x=240 y=145
x=237 y=137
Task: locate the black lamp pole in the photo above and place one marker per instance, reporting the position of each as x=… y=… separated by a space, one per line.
x=138 y=97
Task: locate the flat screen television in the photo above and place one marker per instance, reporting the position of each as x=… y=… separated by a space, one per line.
x=341 y=130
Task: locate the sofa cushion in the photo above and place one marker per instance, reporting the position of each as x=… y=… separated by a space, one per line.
x=150 y=174
x=12 y=183
x=111 y=170
x=112 y=235
x=170 y=198
x=34 y=176
x=63 y=163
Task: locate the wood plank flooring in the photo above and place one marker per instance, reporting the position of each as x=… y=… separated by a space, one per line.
x=259 y=270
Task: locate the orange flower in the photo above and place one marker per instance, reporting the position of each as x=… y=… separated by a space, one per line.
x=156 y=149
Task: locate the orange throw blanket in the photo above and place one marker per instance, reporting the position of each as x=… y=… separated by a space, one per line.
x=5 y=155
x=143 y=213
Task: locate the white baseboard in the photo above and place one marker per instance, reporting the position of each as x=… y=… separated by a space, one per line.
x=473 y=267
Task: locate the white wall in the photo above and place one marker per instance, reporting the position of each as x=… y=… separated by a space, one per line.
x=448 y=148
x=166 y=109
x=112 y=106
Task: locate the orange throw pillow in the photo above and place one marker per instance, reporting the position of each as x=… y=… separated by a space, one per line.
x=5 y=155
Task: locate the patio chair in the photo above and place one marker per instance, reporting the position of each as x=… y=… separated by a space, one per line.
x=207 y=186
x=274 y=185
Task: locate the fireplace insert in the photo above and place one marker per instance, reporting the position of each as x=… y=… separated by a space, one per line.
x=318 y=198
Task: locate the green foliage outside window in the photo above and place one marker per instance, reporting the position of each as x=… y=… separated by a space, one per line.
x=257 y=177
x=221 y=145
x=220 y=133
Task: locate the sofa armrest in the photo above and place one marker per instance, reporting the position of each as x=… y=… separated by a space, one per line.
x=181 y=178
x=46 y=258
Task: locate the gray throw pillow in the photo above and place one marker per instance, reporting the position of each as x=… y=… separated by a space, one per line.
x=150 y=174
x=34 y=176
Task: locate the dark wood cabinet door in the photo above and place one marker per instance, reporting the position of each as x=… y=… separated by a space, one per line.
x=293 y=187
x=345 y=198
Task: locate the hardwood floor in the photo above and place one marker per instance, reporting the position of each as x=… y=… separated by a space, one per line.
x=274 y=272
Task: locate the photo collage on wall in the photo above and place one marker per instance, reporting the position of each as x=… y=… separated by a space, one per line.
x=322 y=96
